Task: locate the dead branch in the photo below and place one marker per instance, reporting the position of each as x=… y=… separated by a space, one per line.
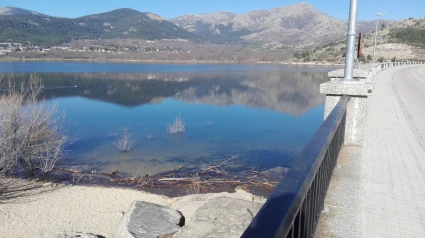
x=175 y=179
x=124 y=143
x=72 y=171
x=217 y=168
x=222 y=181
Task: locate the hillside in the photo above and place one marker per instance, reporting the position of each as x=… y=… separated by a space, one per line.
x=402 y=40
x=17 y=11
x=298 y=25
x=40 y=29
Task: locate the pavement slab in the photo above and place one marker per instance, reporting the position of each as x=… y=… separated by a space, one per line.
x=393 y=164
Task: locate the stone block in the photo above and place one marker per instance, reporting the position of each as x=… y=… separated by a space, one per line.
x=149 y=220
x=338 y=87
x=74 y=235
x=356 y=108
x=220 y=217
x=357 y=73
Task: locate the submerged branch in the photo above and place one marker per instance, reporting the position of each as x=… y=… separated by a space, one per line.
x=194 y=180
x=113 y=174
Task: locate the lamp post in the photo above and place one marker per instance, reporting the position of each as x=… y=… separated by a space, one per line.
x=376 y=33
x=351 y=42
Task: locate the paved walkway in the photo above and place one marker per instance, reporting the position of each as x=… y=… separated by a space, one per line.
x=393 y=165
x=410 y=87
x=379 y=190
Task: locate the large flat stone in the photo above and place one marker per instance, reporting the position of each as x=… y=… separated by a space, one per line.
x=220 y=217
x=357 y=73
x=74 y=235
x=149 y=220
x=344 y=88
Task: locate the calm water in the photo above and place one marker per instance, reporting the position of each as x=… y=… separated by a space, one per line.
x=264 y=113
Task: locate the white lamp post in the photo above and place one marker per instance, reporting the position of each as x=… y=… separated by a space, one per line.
x=376 y=33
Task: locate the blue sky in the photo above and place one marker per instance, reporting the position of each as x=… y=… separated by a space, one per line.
x=397 y=9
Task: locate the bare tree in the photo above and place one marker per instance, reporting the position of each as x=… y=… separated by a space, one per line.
x=32 y=133
x=124 y=143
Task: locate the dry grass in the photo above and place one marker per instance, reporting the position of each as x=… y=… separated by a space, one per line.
x=177 y=127
x=194 y=186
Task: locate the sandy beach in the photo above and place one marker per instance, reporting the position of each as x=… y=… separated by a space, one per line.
x=40 y=209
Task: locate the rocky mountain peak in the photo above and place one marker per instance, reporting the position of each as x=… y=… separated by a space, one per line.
x=17 y=11
x=296 y=25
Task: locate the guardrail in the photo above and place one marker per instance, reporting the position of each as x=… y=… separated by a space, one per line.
x=293 y=209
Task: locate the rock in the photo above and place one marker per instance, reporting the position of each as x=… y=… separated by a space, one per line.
x=149 y=220
x=75 y=235
x=276 y=173
x=220 y=217
x=87 y=235
x=242 y=187
x=189 y=204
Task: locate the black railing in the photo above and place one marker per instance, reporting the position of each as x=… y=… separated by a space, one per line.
x=293 y=209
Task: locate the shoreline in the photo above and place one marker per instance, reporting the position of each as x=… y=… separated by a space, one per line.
x=32 y=208
x=177 y=62
x=173 y=183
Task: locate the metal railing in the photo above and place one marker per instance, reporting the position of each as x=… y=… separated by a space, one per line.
x=294 y=208
x=386 y=65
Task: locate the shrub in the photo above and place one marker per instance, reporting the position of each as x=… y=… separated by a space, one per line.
x=369 y=58
x=177 y=127
x=410 y=36
x=302 y=55
x=124 y=143
x=32 y=136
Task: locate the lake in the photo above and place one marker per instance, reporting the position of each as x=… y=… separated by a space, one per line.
x=266 y=114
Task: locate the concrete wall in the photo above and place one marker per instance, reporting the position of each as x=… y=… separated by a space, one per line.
x=359 y=91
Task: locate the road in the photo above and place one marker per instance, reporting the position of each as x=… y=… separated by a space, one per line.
x=409 y=84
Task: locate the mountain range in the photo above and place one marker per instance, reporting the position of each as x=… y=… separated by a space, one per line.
x=289 y=26
x=20 y=25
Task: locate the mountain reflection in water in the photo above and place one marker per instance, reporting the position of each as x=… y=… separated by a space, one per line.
x=292 y=92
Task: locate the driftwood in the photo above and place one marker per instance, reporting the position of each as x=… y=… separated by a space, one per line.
x=112 y=174
x=217 y=168
x=222 y=181
x=209 y=177
x=175 y=179
x=197 y=181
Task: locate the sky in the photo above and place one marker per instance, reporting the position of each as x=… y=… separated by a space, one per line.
x=397 y=9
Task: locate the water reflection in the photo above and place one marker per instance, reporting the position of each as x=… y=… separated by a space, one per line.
x=292 y=92
x=266 y=116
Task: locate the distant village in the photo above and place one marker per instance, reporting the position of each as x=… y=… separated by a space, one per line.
x=7 y=48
